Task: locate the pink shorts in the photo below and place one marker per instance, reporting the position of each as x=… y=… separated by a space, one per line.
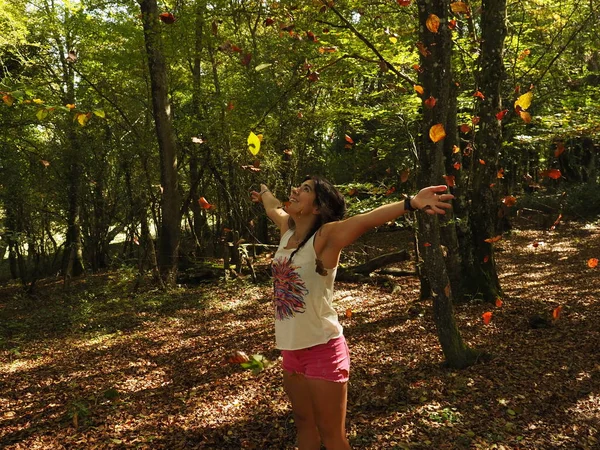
x=329 y=361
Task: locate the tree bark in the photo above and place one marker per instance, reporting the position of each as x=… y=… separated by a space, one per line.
x=435 y=78
x=168 y=246
x=480 y=269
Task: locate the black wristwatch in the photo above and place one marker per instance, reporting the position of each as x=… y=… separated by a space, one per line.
x=407 y=205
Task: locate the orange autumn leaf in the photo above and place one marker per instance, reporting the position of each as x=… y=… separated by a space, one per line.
x=390 y=191
x=459 y=7
x=423 y=49
x=457 y=166
x=203 y=203
x=475 y=120
x=560 y=148
x=501 y=114
x=419 y=89
x=430 y=102
x=500 y=173
x=509 y=201
x=482 y=162
x=433 y=23
x=551 y=173
x=417 y=67
x=437 y=132
x=525 y=116
x=524 y=54
x=352 y=192
x=167 y=18
x=427 y=244
x=487 y=317
x=465 y=128
x=498 y=302
x=452 y=24
x=455 y=149
x=479 y=94
x=348 y=139
x=450 y=180
x=348 y=313
x=556 y=313
x=592 y=263
x=493 y=239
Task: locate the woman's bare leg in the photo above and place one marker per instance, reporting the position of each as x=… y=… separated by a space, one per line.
x=329 y=401
x=298 y=391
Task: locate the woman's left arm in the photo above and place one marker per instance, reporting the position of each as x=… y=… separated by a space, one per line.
x=431 y=200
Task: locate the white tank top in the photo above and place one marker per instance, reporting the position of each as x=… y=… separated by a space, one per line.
x=304 y=314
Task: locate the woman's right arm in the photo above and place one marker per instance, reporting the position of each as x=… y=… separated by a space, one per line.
x=272 y=207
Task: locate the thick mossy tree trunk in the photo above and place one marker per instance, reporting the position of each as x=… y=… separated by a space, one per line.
x=435 y=78
x=168 y=245
x=479 y=270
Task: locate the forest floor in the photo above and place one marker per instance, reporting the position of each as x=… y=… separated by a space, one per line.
x=100 y=366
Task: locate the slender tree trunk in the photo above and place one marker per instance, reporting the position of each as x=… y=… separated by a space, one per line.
x=168 y=248
x=436 y=76
x=481 y=272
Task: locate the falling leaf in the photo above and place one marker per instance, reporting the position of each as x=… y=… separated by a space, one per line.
x=327 y=50
x=390 y=191
x=455 y=149
x=82 y=118
x=452 y=24
x=465 y=128
x=419 y=89
x=482 y=162
x=430 y=102
x=38 y=101
x=457 y=165
x=352 y=192
x=204 y=204
x=404 y=2
x=167 y=18
x=44 y=162
x=262 y=66
x=70 y=105
x=555 y=174
x=404 y=176
x=348 y=313
x=311 y=36
x=475 y=120
x=393 y=39
x=313 y=76
x=556 y=222
x=524 y=101
x=437 y=132
x=509 y=201
x=592 y=263
x=500 y=173
x=238 y=357
x=486 y=258
x=450 y=180
x=459 y=8
x=487 y=317
x=557 y=312
x=417 y=68
x=348 y=139
x=560 y=148
x=525 y=116
x=253 y=143
x=499 y=302
x=236 y=49
x=72 y=56
x=269 y=21
x=447 y=290
x=478 y=94
x=433 y=23
x=493 y=239
x=427 y=244
x=100 y=113
x=198 y=140
x=501 y=114
x=423 y=49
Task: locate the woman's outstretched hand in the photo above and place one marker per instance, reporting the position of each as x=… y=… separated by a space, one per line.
x=255 y=196
x=433 y=200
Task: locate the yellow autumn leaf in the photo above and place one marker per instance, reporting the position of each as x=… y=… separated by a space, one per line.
x=253 y=143
x=38 y=101
x=82 y=119
x=524 y=101
x=433 y=23
x=99 y=113
x=437 y=132
x=393 y=39
x=459 y=7
x=70 y=105
x=419 y=89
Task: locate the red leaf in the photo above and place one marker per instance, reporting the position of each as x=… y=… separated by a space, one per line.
x=494 y=239
x=450 y=180
x=269 y=22
x=498 y=302
x=427 y=244
x=390 y=191
x=509 y=201
x=457 y=166
x=203 y=203
x=501 y=114
x=465 y=128
x=556 y=313
x=167 y=18
x=478 y=94
x=404 y=2
x=430 y=102
x=348 y=139
x=487 y=317
x=452 y=24
x=246 y=59
x=592 y=263
x=486 y=258
x=551 y=173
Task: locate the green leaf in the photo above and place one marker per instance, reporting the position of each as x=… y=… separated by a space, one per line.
x=99 y=113
x=262 y=66
x=42 y=114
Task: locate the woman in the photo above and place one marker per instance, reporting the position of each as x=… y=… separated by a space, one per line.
x=316 y=362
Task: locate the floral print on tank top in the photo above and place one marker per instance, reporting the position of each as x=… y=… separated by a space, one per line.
x=289 y=290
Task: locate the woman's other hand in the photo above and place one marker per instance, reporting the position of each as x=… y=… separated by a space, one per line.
x=433 y=200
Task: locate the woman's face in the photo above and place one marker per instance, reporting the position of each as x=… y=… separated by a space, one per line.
x=302 y=198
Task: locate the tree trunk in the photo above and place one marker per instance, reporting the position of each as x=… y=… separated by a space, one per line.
x=480 y=269
x=436 y=77
x=168 y=247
